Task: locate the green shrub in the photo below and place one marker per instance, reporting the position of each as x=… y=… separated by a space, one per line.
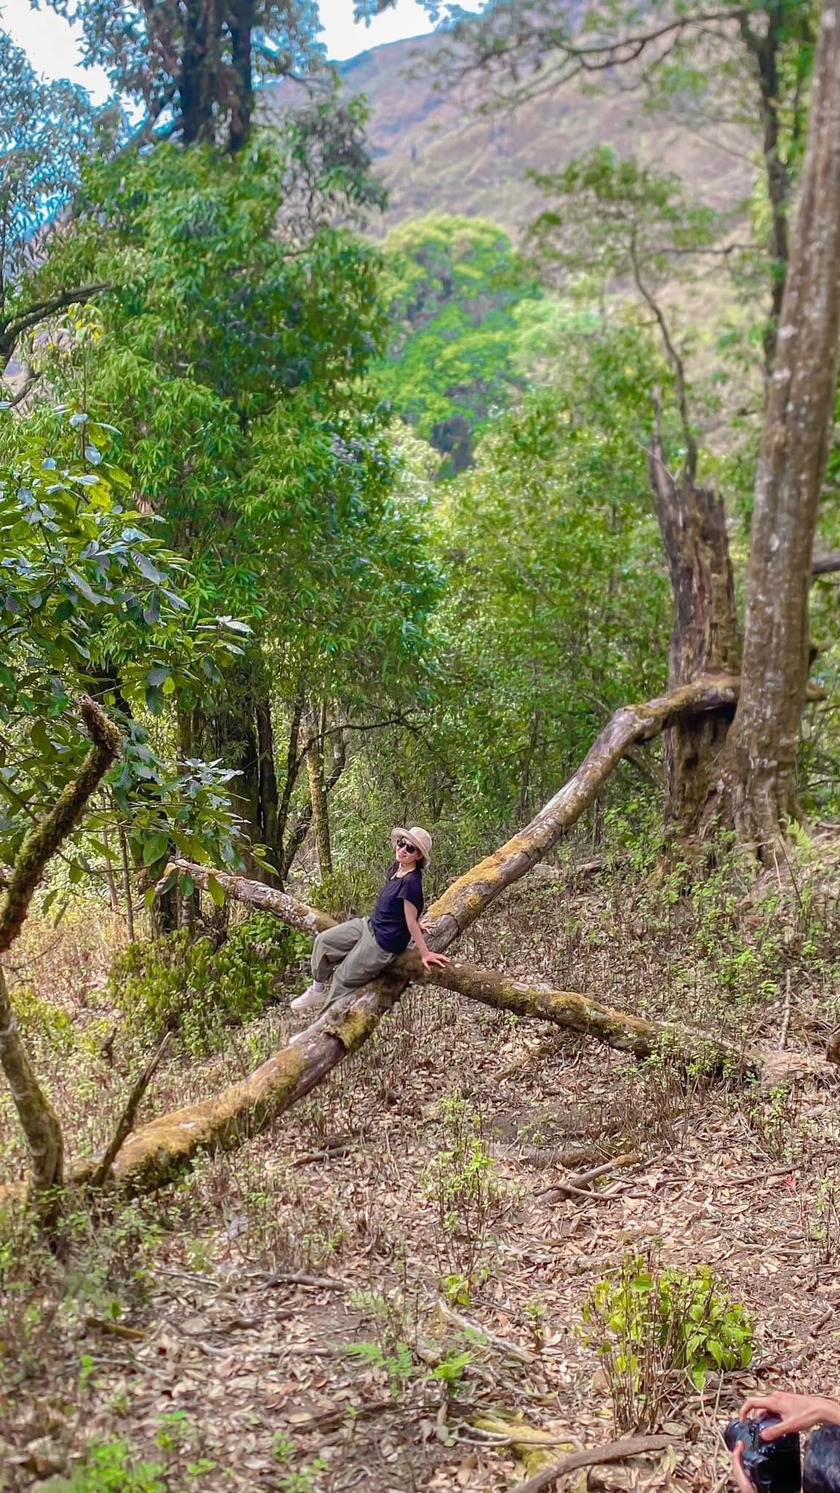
x=41 y=1018
x=110 y=1467
x=655 y=1327
x=199 y=990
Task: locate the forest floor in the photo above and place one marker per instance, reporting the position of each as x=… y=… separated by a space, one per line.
x=355 y=1298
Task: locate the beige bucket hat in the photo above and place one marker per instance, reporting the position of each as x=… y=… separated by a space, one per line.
x=419 y=837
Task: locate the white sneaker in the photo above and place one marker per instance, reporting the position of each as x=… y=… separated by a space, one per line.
x=311 y=1000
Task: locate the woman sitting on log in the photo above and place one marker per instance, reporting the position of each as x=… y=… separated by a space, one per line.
x=357 y=951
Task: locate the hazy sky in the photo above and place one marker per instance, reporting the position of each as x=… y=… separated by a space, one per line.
x=52 y=46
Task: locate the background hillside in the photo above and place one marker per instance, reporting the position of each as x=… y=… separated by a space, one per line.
x=436 y=154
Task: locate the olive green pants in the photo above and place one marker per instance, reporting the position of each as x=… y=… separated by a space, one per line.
x=350 y=955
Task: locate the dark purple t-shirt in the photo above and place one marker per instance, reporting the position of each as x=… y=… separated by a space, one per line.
x=388 y=922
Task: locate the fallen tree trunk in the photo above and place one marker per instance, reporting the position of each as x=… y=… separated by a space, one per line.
x=564 y=1008
x=468 y=897
x=158 y=1152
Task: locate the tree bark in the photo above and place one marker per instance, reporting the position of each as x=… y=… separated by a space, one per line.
x=564 y=1008
x=318 y=798
x=39 y=1121
x=705 y=638
x=764 y=51
x=758 y=773
x=269 y=798
x=241 y=23
x=283 y=859
x=304 y=819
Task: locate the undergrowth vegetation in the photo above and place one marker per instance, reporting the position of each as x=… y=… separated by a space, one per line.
x=652 y=1326
x=198 y=986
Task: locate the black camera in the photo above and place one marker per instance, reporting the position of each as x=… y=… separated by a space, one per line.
x=771 y=1466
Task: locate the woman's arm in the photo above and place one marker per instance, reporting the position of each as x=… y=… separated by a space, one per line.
x=430 y=960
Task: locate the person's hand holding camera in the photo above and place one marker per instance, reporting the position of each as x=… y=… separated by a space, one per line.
x=797 y=1412
x=765 y=1447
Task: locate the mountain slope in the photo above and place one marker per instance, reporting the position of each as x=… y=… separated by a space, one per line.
x=436 y=155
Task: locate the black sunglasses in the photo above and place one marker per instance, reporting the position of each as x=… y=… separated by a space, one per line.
x=403 y=844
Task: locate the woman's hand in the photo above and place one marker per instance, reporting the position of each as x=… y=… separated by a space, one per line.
x=431 y=960
x=798 y=1412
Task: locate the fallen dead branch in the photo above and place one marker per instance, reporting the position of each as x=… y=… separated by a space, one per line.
x=614 y=1451
x=475 y=1329
x=577 y=1183
x=564 y=1008
x=543 y=1157
x=314 y=1282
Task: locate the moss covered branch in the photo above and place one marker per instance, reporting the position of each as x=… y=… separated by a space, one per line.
x=39 y=1121
x=49 y=833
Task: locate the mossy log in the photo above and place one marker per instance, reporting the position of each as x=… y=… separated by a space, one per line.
x=537 y=1450
x=564 y=1008
x=157 y=1152
x=473 y=892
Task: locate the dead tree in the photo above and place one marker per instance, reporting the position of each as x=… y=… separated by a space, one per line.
x=705 y=638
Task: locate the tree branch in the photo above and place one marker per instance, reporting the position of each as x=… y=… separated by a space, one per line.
x=125 y=1123
x=827 y=564
x=43 y=841
x=158 y=1152
x=614 y=1451
x=12 y=330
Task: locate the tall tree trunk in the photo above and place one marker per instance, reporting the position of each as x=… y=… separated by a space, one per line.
x=38 y=1119
x=758 y=775
x=318 y=796
x=241 y=22
x=705 y=638
x=194 y=95
x=764 y=50
x=302 y=823
x=267 y=774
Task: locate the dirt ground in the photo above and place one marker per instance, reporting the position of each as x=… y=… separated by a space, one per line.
x=385 y=1292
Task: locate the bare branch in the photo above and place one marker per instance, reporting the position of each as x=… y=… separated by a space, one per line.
x=125 y=1123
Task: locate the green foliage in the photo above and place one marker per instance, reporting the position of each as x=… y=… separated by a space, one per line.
x=398 y=1364
x=557 y=607
x=198 y=989
x=394 y=1349
x=232 y=350
x=462 y=1184
x=613 y=219
x=453 y=285
x=52 y=1023
x=48 y=129
x=87 y=588
x=111 y=1467
x=653 y=1326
